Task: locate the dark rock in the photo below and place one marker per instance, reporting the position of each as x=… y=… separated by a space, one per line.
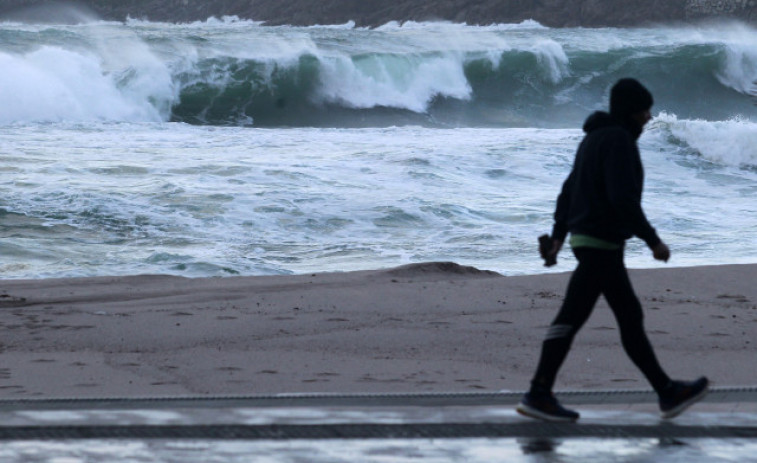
x=553 y=13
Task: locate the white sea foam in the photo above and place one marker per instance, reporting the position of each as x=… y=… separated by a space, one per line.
x=553 y=58
x=400 y=82
x=201 y=201
x=53 y=84
x=739 y=71
x=732 y=142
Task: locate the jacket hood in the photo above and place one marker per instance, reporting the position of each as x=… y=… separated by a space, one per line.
x=599 y=120
x=602 y=119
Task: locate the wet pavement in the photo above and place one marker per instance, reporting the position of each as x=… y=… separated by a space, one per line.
x=616 y=426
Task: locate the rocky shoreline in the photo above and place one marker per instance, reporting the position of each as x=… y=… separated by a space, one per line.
x=371 y=13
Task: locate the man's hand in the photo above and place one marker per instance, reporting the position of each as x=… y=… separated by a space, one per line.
x=548 y=248
x=661 y=252
x=556 y=246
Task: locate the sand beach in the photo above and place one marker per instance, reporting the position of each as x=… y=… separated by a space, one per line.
x=429 y=327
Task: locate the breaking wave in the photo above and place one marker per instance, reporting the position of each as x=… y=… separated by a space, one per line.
x=241 y=73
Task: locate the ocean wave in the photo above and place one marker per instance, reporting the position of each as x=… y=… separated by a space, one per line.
x=542 y=86
x=54 y=84
x=732 y=142
x=231 y=72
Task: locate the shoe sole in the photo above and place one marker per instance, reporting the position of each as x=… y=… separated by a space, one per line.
x=531 y=412
x=673 y=412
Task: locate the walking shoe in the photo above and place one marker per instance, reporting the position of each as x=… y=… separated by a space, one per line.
x=680 y=395
x=545 y=407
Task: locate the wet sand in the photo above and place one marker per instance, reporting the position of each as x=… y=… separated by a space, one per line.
x=435 y=327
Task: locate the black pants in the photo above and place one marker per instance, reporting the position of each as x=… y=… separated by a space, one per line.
x=598 y=272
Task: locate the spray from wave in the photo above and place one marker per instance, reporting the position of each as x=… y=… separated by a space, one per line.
x=100 y=72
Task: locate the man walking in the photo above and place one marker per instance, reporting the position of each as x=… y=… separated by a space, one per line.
x=600 y=206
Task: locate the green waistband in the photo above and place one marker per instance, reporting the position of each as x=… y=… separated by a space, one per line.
x=586 y=241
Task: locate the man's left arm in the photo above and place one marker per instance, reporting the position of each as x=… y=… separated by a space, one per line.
x=624 y=188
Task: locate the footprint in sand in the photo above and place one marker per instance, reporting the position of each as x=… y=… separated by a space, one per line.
x=228 y=369
x=6 y=300
x=734 y=297
x=370 y=379
x=423 y=382
x=78 y=327
x=471 y=383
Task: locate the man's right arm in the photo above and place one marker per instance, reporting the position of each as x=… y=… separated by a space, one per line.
x=560 y=228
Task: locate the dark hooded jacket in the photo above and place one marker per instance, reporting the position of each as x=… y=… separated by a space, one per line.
x=601 y=197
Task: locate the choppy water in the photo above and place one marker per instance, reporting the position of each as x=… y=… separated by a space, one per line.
x=227 y=147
